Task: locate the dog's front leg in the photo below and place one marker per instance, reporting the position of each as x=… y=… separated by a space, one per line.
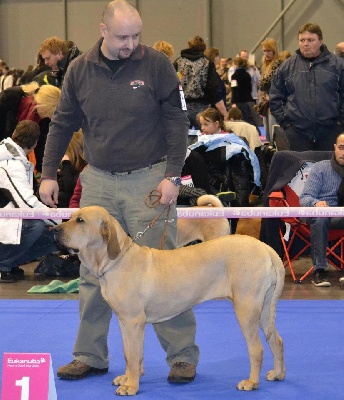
x=132 y=337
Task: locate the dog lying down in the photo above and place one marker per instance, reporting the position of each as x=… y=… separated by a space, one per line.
x=203 y=229
x=144 y=285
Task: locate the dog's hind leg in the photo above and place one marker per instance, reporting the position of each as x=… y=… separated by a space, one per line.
x=267 y=323
x=276 y=345
x=248 y=315
x=132 y=337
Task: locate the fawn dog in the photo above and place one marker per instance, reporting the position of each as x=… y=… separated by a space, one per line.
x=144 y=285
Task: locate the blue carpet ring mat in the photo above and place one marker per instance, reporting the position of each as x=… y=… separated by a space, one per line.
x=312 y=330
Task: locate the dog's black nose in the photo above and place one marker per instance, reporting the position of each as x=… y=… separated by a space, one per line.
x=56 y=228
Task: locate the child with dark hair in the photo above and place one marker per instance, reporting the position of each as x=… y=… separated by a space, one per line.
x=246 y=131
x=234 y=114
x=211 y=121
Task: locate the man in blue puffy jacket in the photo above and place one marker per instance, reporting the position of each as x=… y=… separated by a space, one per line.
x=307 y=93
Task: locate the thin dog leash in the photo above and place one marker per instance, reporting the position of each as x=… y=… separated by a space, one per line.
x=152 y=201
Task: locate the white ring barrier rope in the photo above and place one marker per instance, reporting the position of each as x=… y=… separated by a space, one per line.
x=193 y=212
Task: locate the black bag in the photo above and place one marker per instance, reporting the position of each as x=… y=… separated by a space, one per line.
x=265 y=154
x=58 y=265
x=263 y=108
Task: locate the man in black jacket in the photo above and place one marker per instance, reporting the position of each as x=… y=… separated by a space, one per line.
x=307 y=94
x=57 y=55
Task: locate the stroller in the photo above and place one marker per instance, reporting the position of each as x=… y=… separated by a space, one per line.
x=232 y=165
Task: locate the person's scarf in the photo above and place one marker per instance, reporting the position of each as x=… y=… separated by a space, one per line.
x=340 y=171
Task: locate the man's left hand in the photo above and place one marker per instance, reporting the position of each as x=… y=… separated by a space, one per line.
x=169 y=192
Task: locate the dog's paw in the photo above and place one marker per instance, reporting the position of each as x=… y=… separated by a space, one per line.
x=120 y=380
x=127 y=390
x=247 y=385
x=274 y=376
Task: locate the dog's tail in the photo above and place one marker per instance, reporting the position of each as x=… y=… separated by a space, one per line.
x=278 y=285
x=209 y=200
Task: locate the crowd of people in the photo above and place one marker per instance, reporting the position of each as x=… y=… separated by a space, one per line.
x=135 y=105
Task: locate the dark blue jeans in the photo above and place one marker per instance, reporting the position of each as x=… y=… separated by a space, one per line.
x=299 y=142
x=36 y=241
x=319 y=237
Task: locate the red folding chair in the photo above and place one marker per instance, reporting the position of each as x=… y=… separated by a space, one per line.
x=300 y=230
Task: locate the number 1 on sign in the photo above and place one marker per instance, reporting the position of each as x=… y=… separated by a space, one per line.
x=24 y=383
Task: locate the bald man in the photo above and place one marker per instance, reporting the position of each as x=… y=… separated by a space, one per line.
x=126 y=98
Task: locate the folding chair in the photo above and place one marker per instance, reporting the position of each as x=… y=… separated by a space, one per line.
x=300 y=232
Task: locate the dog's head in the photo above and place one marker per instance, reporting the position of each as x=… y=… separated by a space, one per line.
x=89 y=230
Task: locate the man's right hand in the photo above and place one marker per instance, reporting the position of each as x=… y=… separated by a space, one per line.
x=48 y=192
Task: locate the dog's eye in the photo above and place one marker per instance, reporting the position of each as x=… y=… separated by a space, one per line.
x=79 y=220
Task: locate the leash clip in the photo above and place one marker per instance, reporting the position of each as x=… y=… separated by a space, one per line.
x=139 y=235
x=151 y=201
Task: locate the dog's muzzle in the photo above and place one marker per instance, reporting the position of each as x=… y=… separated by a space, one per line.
x=58 y=236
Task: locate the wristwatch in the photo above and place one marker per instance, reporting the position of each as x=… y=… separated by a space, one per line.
x=176 y=180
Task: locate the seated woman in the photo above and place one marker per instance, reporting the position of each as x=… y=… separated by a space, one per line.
x=29 y=102
x=21 y=241
x=10 y=100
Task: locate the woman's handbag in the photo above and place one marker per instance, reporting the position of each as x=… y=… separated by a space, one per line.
x=263 y=108
x=58 y=265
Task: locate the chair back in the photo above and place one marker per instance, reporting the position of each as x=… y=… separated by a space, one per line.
x=295 y=187
x=289 y=196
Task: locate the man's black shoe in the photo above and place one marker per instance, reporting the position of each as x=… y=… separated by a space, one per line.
x=320 y=278
x=6 y=277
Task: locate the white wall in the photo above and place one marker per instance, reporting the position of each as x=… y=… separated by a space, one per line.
x=229 y=25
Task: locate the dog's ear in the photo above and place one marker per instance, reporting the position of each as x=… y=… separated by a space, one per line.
x=110 y=238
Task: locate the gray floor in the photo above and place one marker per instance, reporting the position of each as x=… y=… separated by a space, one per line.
x=292 y=291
